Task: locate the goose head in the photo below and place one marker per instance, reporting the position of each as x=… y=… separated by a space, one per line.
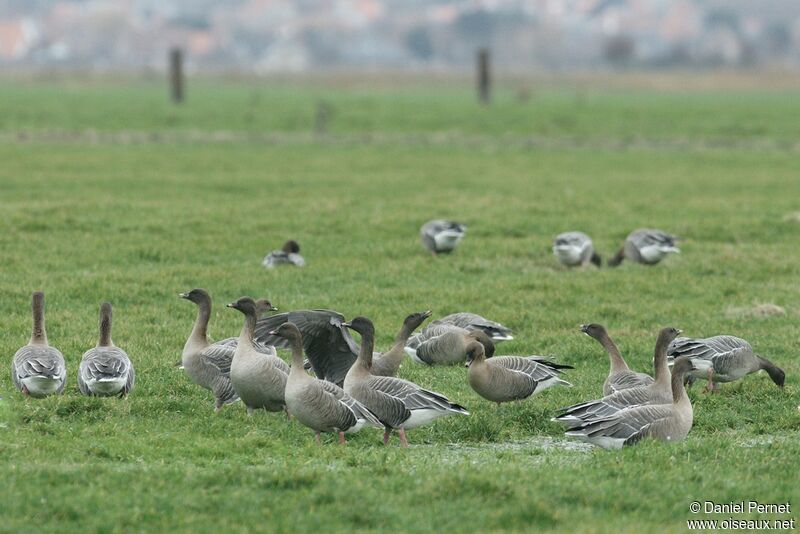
x=483 y=338
x=594 y=330
x=475 y=351
x=362 y=325
x=291 y=247
x=682 y=366
x=667 y=335
x=198 y=296
x=264 y=305
x=413 y=321
x=287 y=331
x=246 y=305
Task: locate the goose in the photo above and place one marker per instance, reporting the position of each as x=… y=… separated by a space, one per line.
x=472 y=321
x=440 y=236
x=330 y=348
x=106 y=370
x=646 y=246
x=665 y=422
x=657 y=392
x=723 y=359
x=445 y=344
x=619 y=375
x=38 y=370
x=398 y=404
x=258 y=379
x=318 y=404
x=575 y=249
x=510 y=378
x=209 y=365
x=289 y=254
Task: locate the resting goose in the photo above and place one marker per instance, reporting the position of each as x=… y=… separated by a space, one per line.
x=575 y=249
x=471 y=321
x=645 y=246
x=510 y=378
x=445 y=344
x=330 y=348
x=664 y=422
x=619 y=375
x=441 y=236
x=396 y=402
x=258 y=379
x=658 y=392
x=106 y=370
x=318 y=404
x=289 y=254
x=209 y=365
x=38 y=370
x=723 y=359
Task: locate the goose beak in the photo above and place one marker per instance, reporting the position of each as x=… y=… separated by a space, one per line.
x=466 y=364
x=679 y=331
x=231 y=305
x=273 y=308
x=273 y=333
x=584 y=328
x=427 y=313
x=183 y=295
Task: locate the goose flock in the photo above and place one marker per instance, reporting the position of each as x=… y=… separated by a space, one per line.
x=352 y=386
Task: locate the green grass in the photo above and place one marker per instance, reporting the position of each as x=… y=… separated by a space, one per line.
x=88 y=220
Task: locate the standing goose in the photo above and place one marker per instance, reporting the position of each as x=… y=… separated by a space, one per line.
x=440 y=236
x=658 y=392
x=471 y=321
x=209 y=365
x=510 y=378
x=258 y=379
x=619 y=375
x=723 y=359
x=330 y=348
x=445 y=344
x=106 y=369
x=645 y=246
x=318 y=404
x=38 y=370
x=664 y=422
x=289 y=254
x=396 y=402
x=575 y=249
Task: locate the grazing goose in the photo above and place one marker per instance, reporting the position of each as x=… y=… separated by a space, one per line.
x=318 y=404
x=38 y=370
x=664 y=422
x=619 y=376
x=472 y=321
x=330 y=348
x=396 y=402
x=575 y=249
x=442 y=237
x=658 y=392
x=645 y=246
x=209 y=365
x=106 y=369
x=445 y=344
x=258 y=379
x=510 y=378
x=723 y=359
x=289 y=254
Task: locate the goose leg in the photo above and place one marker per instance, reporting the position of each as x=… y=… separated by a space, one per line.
x=288 y=415
x=250 y=411
x=710 y=385
x=218 y=405
x=386 y=435
x=25 y=391
x=342 y=441
x=403 y=440
x=318 y=440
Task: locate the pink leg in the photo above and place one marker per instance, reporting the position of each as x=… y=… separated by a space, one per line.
x=342 y=441
x=386 y=434
x=318 y=440
x=25 y=391
x=250 y=411
x=403 y=440
x=288 y=415
x=710 y=385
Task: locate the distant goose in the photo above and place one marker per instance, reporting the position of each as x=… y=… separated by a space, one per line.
x=665 y=422
x=445 y=344
x=723 y=359
x=398 y=404
x=38 y=370
x=258 y=379
x=289 y=254
x=575 y=249
x=441 y=236
x=658 y=392
x=510 y=378
x=619 y=375
x=106 y=369
x=646 y=246
x=330 y=348
x=209 y=365
x=472 y=321
x=318 y=404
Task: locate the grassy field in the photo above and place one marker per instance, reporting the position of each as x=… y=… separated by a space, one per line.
x=109 y=193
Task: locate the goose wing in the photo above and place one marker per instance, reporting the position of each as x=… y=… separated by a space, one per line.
x=605 y=407
x=627 y=380
x=359 y=411
x=472 y=321
x=39 y=361
x=220 y=356
x=652 y=238
x=625 y=427
x=724 y=353
x=412 y=396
